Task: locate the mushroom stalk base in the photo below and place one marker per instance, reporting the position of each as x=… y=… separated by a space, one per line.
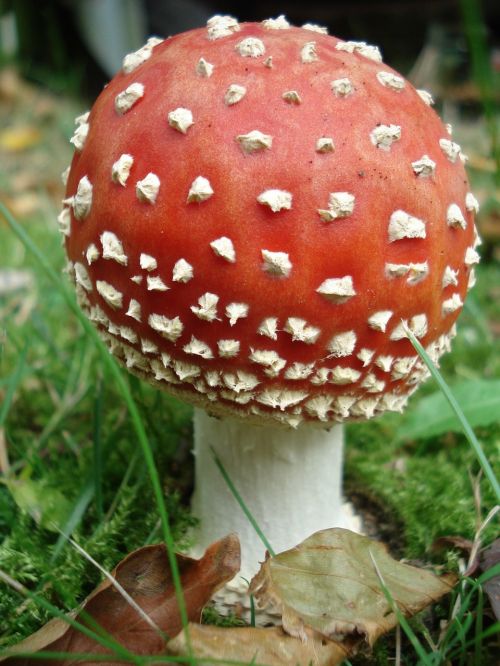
x=290 y=480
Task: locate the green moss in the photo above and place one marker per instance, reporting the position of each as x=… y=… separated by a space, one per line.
x=426 y=485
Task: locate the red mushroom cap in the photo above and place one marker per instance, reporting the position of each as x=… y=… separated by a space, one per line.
x=255 y=212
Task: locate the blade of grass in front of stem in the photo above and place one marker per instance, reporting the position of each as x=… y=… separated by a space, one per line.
x=129 y=401
x=252 y=611
x=241 y=502
x=252 y=605
x=466 y=428
x=103 y=639
x=405 y=625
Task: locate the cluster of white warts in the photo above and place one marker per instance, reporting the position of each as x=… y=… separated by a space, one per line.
x=337 y=290
x=241 y=388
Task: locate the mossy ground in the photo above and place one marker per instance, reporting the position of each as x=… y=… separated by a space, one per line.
x=70 y=443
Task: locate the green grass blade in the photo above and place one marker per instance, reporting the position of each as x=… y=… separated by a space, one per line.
x=252 y=605
x=463 y=619
x=242 y=504
x=123 y=388
x=74 y=519
x=405 y=625
x=493 y=630
x=12 y=385
x=489 y=574
x=431 y=416
x=97 y=449
x=466 y=428
x=478 y=642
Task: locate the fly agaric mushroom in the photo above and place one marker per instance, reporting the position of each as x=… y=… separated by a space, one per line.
x=255 y=214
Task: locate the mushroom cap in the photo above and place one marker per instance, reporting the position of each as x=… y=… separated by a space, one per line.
x=254 y=214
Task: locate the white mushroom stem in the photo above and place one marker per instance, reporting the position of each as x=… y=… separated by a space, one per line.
x=290 y=480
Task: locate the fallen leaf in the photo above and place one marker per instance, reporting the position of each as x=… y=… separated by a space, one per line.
x=145 y=576
x=448 y=542
x=329 y=584
x=490 y=557
x=270 y=646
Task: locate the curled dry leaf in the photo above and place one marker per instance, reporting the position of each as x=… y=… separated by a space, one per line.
x=329 y=584
x=145 y=576
x=270 y=646
x=451 y=541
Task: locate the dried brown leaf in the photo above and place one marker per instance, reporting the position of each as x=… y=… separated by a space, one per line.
x=145 y=576
x=270 y=646
x=329 y=584
x=450 y=542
